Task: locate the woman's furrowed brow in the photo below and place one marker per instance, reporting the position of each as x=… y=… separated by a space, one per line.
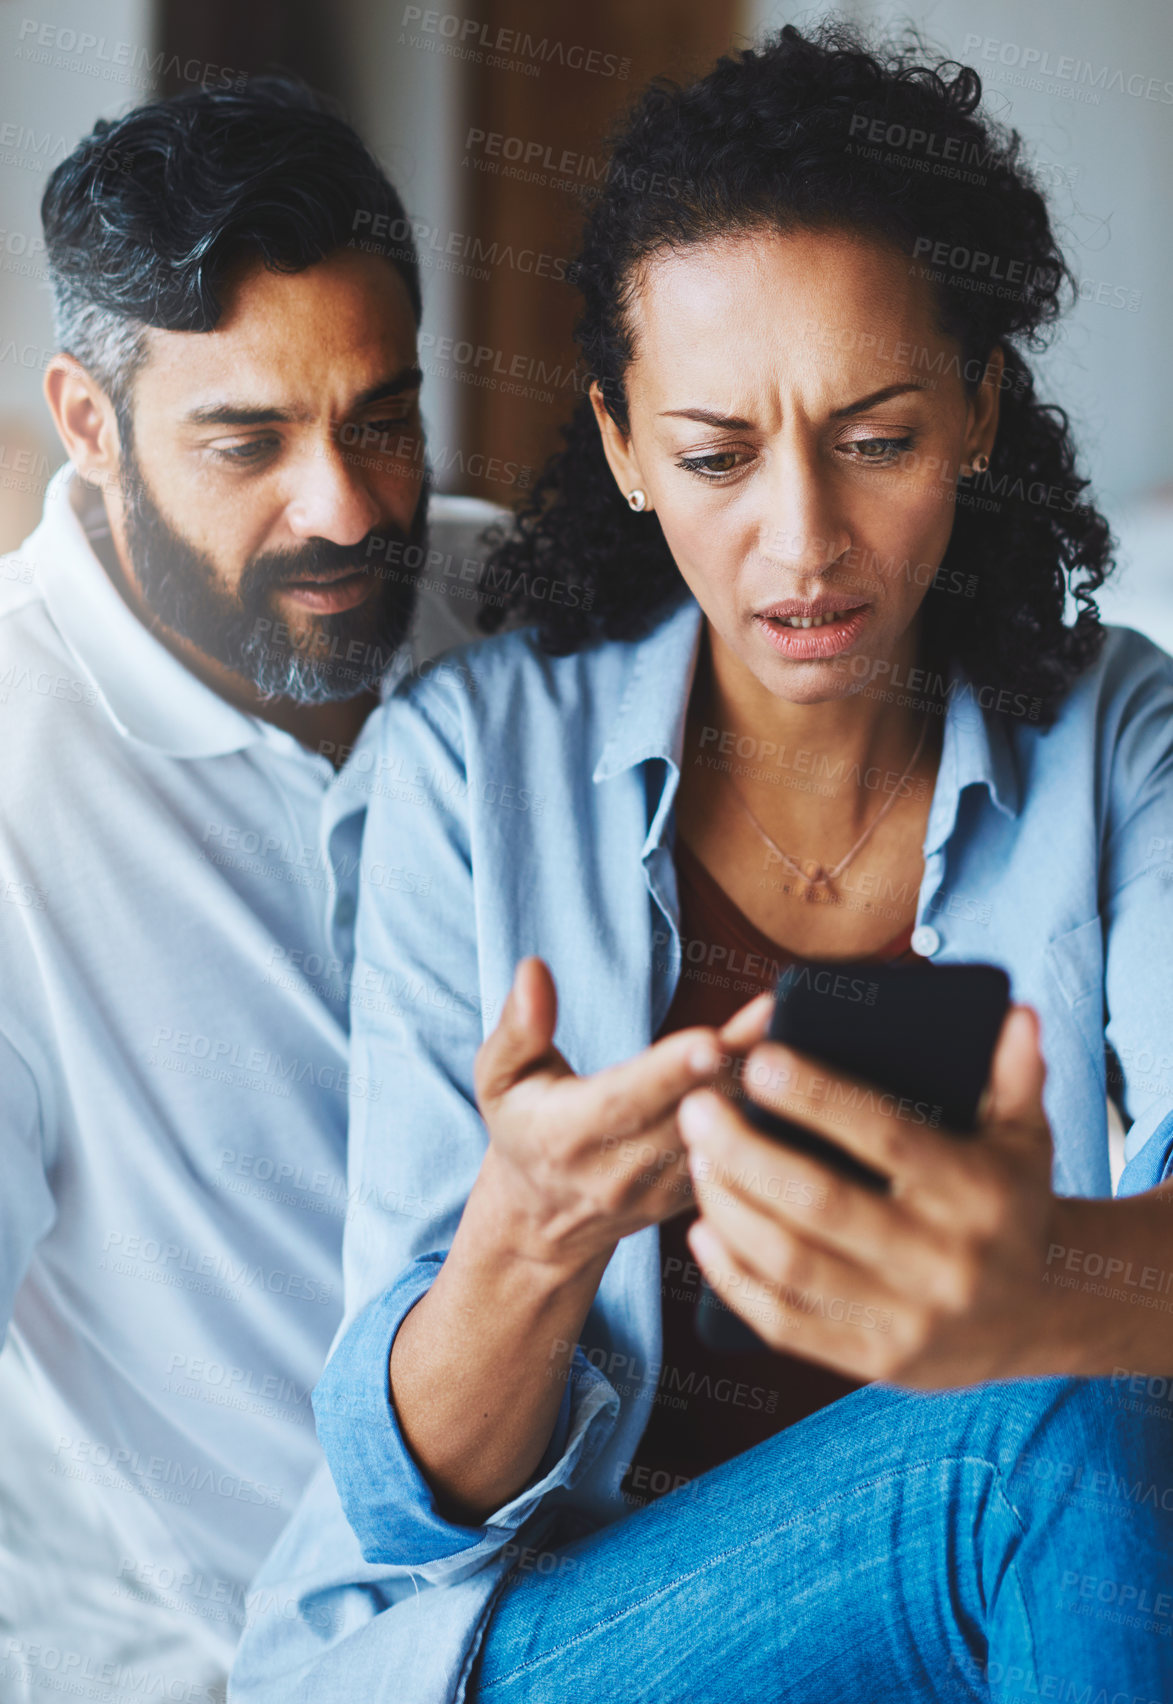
x=874 y=397
x=706 y=416
x=736 y=422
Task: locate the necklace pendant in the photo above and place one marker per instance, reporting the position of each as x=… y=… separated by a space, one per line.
x=814 y=876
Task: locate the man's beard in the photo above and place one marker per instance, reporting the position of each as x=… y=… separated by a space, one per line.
x=336 y=656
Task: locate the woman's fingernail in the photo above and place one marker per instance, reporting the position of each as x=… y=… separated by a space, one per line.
x=703 y=1056
x=696 y=1117
x=704 y=1244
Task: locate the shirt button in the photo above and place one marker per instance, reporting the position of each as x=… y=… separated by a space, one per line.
x=925 y=940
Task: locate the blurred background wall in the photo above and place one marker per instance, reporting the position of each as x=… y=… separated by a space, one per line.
x=490 y=116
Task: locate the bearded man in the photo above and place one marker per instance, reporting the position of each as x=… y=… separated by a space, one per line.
x=189 y=642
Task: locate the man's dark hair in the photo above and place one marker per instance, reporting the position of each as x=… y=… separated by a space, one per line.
x=821 y=132
x=150 y=212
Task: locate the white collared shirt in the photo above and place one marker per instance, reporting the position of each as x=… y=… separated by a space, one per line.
x=173 y=1095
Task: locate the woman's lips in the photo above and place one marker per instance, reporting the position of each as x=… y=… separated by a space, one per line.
x=329 y=597
x=811 y=644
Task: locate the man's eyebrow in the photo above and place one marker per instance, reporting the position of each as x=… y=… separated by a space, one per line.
x=238 y=414
x=735 y=423
x=411 y=378
x=242 y=414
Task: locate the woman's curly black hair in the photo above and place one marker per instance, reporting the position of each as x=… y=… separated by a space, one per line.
x=813 y=132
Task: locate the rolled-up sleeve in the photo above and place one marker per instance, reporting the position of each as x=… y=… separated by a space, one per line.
x=387 y=1500
x=417 y=1017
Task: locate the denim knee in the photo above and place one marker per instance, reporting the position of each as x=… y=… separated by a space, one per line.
x=1080 y=1446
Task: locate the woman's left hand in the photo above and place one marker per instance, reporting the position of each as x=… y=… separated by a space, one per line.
x=939 y=1282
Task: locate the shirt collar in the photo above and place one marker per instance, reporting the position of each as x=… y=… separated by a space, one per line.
x=649 y=723
x=976 y=751
x=147 y=691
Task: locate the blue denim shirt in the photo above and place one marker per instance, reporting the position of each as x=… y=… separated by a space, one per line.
x=519 y=804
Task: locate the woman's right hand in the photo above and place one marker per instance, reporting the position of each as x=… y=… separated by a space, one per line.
x=575 y=1163
x=479 y=1365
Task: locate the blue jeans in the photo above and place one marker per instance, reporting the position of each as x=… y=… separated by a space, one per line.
x=1011 y=1541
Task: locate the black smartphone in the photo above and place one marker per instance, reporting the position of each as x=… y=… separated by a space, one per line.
x=924 y=1033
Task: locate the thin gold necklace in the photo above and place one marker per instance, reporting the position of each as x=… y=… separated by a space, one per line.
x=823 y=877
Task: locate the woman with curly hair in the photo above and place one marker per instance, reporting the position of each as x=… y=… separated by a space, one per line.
x=796 y=681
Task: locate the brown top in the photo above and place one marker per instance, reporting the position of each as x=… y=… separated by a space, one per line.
x=710 y=1404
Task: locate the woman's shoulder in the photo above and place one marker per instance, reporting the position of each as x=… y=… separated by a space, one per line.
x=1126 y=652
x=516 y=663
x=508 y=689
x=1113 y=731
x=1128 y=682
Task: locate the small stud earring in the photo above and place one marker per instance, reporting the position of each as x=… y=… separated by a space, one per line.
x=980 y=464
x=637 y=499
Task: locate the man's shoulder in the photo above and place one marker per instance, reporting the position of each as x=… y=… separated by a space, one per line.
x=38 y=671
x=42 y=682
x=19 y=585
